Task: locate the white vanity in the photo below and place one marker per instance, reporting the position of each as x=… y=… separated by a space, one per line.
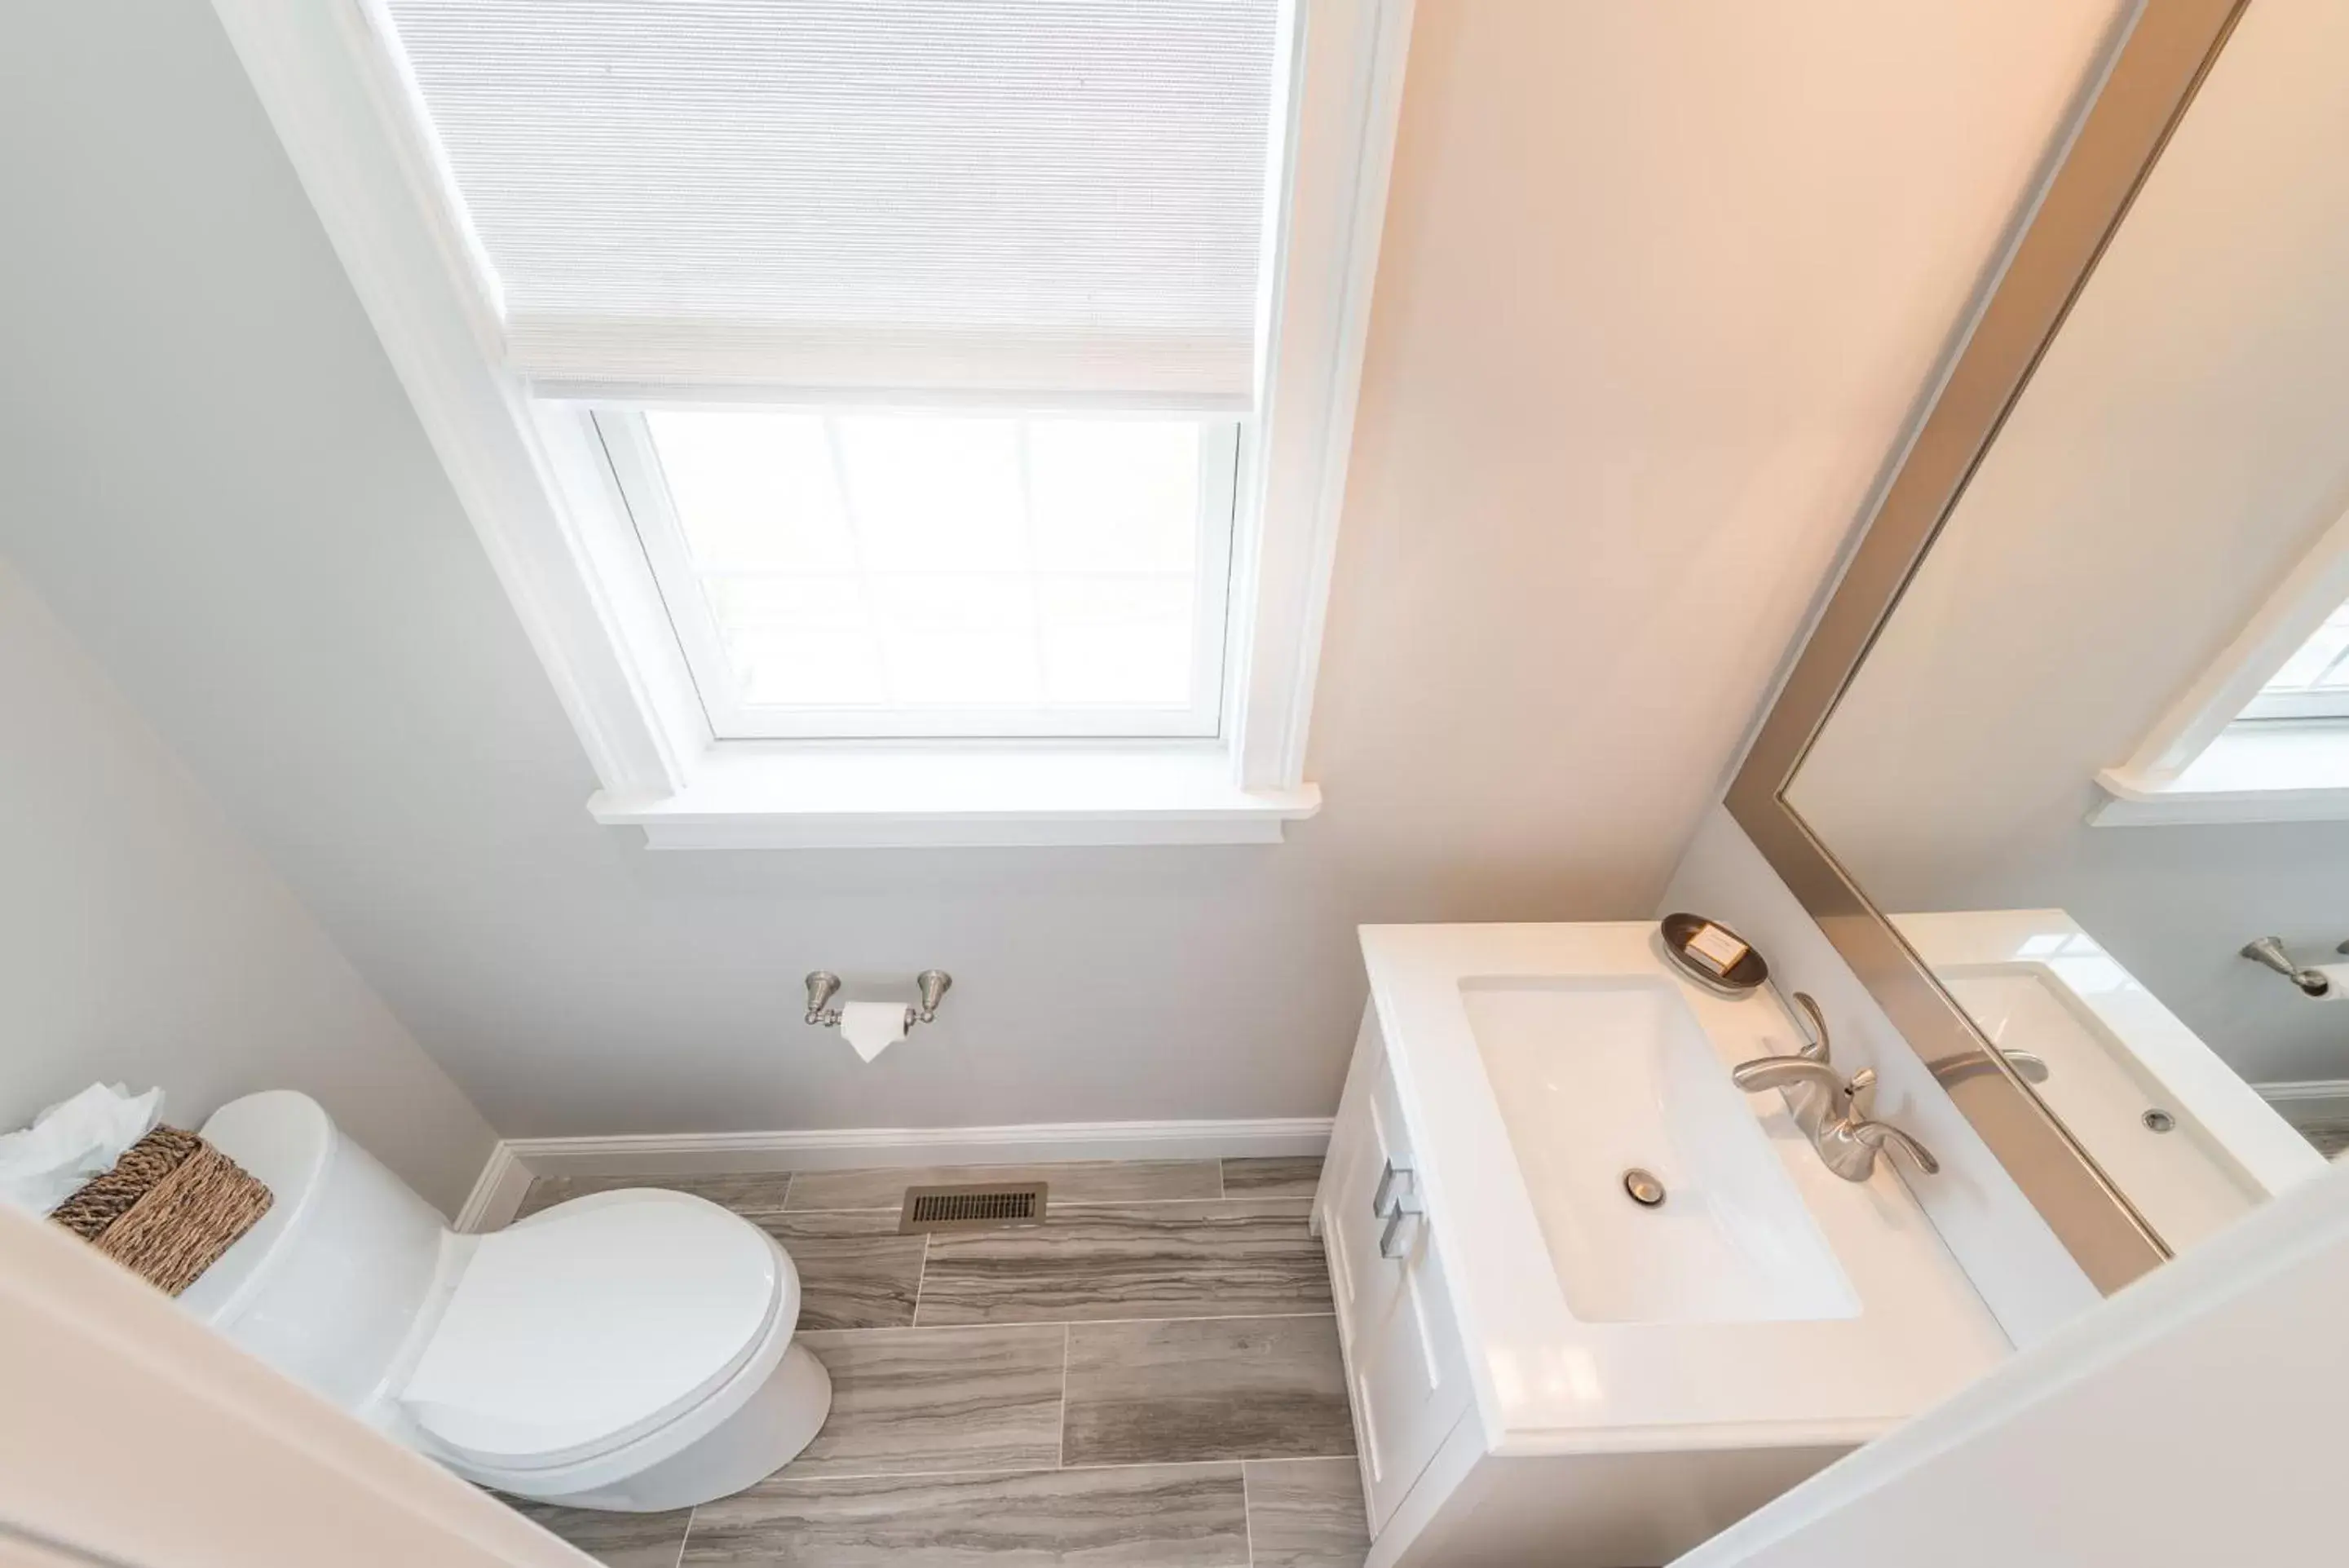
x=1545 y=1368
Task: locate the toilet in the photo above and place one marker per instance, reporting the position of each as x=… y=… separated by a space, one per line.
x=628 y=1350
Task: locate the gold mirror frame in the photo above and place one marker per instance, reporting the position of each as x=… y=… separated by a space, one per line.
x=2152 y=78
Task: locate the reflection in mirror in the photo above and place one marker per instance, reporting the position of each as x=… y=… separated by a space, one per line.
x=2101 y=744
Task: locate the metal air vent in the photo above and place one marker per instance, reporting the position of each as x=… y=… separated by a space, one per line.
x=976 y=1206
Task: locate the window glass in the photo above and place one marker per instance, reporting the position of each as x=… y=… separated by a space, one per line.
x=885 y=574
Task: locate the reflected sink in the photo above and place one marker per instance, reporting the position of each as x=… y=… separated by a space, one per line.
x=2032 y=980
x=2182 y=1180
x=1597 y=1076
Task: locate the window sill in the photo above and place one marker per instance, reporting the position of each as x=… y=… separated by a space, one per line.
x=745 y=795
x=2255 y=774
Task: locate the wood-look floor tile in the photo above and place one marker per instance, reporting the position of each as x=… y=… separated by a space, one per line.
x=1130 y=1261
x=855 y=1270
x=1210 y=1388
x=747 y=1193
x=1272 y=1175
x=930 y=1399
x=2330 y=1138
x=1307 y=1513
x=1069 y=1181
x=615 y=1540
x=1188 y=1516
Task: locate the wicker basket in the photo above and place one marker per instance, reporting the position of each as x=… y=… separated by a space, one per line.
x=171 y=1205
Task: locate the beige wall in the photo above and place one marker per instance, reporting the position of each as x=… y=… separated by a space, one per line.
x=1661 y=286
x=142 y=941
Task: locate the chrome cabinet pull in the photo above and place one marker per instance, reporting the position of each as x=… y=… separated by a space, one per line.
x=1397 y=1196
x=1406 y=1206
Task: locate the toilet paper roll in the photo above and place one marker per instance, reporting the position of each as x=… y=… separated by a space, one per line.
x=871 y=1027
x=2338 y=973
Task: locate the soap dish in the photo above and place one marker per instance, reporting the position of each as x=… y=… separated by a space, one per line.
x=1743 y=978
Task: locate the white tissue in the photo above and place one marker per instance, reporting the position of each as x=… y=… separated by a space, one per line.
x=72 y=1141
x=871 y=1027
x=2338 y=973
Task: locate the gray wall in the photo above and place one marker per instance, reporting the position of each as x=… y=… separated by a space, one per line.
x=141 y=940
x=1659 y=292
x=2182 y=445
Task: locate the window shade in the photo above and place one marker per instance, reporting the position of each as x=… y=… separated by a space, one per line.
x=1042 y=201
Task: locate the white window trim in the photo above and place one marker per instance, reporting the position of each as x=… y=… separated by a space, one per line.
x=2329 y=703
x=2194 y=765
x=536 y=485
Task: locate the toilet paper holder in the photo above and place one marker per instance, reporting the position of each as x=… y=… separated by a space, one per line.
x=823 y=985
x=2269 y=952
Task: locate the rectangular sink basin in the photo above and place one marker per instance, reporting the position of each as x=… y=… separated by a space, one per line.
x=2182 y=1180
x=1598 y=1075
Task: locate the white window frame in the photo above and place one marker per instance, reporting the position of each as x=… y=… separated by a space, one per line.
x=628 y=441
x=2306 y=705
x=532 y=478
x=2330 y=705
x=2210 y=759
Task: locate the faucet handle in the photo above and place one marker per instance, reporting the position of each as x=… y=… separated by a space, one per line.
x=1782 y=1073
x=1817 y=1045
x=1885 y=1135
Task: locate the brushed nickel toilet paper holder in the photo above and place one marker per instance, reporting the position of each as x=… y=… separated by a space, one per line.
x=823 y=985
x=2269 y=953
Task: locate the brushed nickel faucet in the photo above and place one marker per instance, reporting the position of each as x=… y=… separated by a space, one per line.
x=1832 y=1113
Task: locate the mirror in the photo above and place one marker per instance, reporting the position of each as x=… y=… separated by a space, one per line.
x=2099 y=746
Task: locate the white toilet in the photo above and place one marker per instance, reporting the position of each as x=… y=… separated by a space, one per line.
x=628 y=1350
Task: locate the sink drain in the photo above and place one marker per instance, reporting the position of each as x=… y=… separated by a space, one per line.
x=1645 y=1190
x=2158 y=1120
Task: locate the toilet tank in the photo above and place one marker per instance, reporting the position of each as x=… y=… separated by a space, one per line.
x=331 y=1285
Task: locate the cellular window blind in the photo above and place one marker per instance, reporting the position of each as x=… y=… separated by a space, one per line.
x=1055 y=200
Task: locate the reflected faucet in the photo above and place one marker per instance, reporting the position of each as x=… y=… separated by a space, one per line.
x=2029 y=1066
x=1832 y=1113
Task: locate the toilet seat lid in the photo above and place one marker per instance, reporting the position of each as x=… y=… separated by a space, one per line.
x=591 y=1323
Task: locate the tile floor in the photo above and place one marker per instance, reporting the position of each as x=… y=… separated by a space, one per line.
x=2331 y=1138
x=1150 y=1377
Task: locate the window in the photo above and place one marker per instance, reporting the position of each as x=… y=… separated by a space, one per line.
x=2313 y=682
x=2263 y=734
x=845 y=574
x=908 y=424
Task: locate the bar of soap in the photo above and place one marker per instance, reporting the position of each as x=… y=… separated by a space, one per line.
x=1716 y=948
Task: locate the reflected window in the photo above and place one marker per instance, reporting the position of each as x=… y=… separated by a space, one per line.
x=2313 y=682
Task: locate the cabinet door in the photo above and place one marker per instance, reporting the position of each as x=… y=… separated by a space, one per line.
x=1410 y=1380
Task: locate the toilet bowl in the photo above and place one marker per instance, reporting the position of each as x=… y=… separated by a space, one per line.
x=630 y=1350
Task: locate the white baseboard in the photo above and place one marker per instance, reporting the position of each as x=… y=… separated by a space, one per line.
x=497 y=1193
x=2310 y=1101
x=516 y=1162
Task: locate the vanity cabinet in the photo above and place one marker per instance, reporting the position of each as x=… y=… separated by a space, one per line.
x=1407 y=1374
x=1548 y=1460
x=1546 y=1368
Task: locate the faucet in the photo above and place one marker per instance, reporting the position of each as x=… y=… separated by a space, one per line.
x=2029 y=1066
x=1832 y=1113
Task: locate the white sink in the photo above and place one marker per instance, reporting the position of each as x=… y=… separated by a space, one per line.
x=1598 y=1075
x=1766 y=1302
x=2032 y=980
x=1545 y=1370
